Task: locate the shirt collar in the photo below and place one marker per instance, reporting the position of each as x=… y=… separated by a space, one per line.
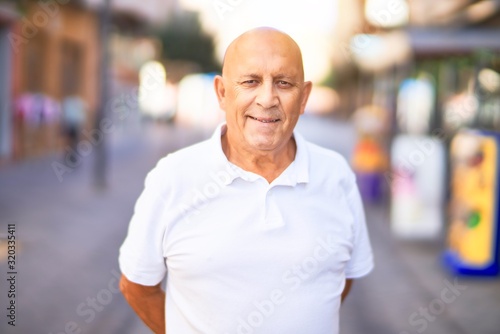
x=301 y=159
x=297 y=172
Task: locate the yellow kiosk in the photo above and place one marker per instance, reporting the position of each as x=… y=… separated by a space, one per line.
x=473 y=236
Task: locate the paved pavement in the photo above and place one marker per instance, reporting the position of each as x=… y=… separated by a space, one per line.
x=69 y=233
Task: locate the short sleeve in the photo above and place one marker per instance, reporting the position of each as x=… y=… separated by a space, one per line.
x=361 y=262
x=141 y=254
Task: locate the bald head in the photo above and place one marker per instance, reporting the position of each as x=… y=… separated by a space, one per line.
x=262 y=42
x=263 y=94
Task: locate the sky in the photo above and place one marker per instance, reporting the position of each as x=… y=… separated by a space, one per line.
x=310 y=23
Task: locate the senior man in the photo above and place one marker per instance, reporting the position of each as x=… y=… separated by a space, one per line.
x=255 y=230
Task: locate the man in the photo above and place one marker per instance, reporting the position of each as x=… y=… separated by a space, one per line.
x=256 y=230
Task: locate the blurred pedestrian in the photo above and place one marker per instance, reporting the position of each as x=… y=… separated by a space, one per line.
x=255 y=227
x=73 y=119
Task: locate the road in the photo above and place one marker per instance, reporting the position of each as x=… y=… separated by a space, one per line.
x=68 y=234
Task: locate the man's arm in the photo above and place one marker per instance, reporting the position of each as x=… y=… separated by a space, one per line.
x=147 y=301
x=347 y=288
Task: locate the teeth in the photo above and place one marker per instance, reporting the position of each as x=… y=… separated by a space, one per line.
x=264 y=121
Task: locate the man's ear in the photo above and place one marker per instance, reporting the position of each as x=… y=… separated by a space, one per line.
x=220 y=91
x=306 y=91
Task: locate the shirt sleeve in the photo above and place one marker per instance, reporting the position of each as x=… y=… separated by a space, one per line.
x=141 y=254
x=361 y=262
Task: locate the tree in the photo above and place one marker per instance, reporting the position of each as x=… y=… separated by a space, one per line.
x=183 y=39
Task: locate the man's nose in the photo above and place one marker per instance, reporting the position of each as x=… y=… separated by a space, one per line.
x=267 y=96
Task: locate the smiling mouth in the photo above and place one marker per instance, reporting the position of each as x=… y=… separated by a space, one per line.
x=265 y=120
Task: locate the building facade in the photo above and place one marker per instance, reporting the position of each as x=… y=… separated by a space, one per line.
x=54 y=47
x=50 y=50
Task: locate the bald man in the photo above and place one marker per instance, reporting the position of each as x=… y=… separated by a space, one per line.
x=255 y=230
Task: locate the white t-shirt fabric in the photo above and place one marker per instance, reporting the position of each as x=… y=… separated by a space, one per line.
x=242 y=256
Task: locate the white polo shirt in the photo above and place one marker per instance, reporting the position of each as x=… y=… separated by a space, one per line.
x=244 y=256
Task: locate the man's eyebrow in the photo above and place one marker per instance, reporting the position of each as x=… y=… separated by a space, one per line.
x=251 y=75
x=277 y=76
x=285 y=76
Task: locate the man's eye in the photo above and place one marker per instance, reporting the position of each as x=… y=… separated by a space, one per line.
x=284 y=83
x=249 y=82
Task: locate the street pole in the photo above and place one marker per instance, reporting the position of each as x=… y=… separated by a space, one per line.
x=101 y=156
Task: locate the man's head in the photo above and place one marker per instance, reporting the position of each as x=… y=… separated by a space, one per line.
x=262 y=90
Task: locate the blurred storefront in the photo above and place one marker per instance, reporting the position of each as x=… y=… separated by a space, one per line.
x=54 y=52
x=434 y=68
x=452 y=42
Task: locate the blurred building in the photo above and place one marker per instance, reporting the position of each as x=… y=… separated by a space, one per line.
x=453 y=42
x=53 y=49
x=350 y=22
x=151 y=11
x=433 y=68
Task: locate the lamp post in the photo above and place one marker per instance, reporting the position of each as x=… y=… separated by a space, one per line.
x=101 y=156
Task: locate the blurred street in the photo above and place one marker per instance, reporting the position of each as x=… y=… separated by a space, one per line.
x=69 y=233
x=408 y=91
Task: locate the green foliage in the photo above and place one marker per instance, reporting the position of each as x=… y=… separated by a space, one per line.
x=331 y=80
x=183 y=39
x=19 y=5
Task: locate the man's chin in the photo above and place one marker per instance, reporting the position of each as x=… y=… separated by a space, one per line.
x=263 y=143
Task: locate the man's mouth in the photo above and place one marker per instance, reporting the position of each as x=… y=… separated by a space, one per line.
x=265 y=120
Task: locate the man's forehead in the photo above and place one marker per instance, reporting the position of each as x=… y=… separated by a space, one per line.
x=255 y=46
x=249 y=70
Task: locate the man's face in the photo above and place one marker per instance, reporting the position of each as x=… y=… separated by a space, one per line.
x=262 y=92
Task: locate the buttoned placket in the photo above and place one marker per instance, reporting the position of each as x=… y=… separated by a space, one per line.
x=272 y=212
x=272 y=217
x=293 y=174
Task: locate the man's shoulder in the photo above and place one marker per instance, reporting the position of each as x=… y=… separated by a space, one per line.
x=323 y=156
x=187 y=161
x=328 y=167
x=199 y=152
